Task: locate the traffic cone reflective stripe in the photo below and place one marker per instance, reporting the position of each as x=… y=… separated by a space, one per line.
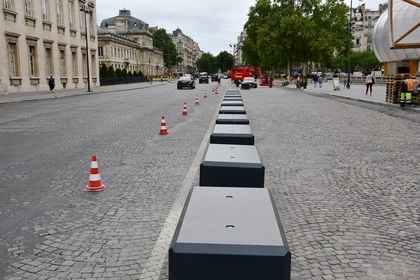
x=163 y=130
x=95 y=184
x=184 y=111
x=196 y=101
x=205 y=94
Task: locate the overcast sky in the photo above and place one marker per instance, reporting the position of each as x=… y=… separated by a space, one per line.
x=213 y=24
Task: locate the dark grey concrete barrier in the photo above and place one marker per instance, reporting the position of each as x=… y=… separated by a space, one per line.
x=232 y=110
x=229 y=234
x=232 y=103
x=232 y=98
x=232 y=166
x=233 y=93
x=232 y=119
x=232 y=134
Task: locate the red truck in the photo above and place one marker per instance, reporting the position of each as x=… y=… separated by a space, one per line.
x=238 y=74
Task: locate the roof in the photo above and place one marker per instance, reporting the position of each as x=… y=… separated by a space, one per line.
x=133 y=23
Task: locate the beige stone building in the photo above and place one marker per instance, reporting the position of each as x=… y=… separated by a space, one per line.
x=126 y=42
x=43 y=38
x=188 y=50
x=365 y=21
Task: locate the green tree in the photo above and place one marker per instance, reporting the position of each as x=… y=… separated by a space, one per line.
x=366 y=60
x=129 y=74
x=289 y=32
x=124 y=73
x=140 y=74
x=111 y=72
x=207 y=63
x=135 y=73
x=164 y=43
x=224 y=61
x=104 y=71
x=118 y=72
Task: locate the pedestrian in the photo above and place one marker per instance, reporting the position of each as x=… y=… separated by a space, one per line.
x=408 y=86
x=320 y=81
x=51 y=83
x=370 y=80
x=161 y=79
x=315 y=79
x=151 y=79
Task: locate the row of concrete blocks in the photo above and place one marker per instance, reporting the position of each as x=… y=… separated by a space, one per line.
x=229 y=227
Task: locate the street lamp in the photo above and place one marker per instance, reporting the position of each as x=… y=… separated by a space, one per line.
x=233 y=55
x=350 y=27
x=85 y=9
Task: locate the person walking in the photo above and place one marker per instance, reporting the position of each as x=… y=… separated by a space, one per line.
x=51 y=83
x=370 y=80
x=315 y=79
x=320 y=81
x=408 y=86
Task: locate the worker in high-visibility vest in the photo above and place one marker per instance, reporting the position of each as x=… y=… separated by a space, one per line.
x=408 y=86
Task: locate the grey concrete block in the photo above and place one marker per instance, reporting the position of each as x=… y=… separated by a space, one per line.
x=232 y=166
x=229 y=233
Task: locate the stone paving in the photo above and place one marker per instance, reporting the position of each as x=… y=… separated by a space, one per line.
x=344 y=175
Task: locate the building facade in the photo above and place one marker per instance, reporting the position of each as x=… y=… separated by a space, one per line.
x=44 y=38
x=188 y=50
x=365 y=21
x=126 y=42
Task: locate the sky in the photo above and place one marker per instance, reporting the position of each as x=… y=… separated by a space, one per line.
x=213 y=24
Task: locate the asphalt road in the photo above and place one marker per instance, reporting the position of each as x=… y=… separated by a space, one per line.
x=344 y=175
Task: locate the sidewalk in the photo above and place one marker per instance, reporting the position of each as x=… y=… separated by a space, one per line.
x=36 y=95
x=356 y=91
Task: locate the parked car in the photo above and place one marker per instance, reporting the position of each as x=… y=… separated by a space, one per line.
x=185 y=81
x=204 y=78
x=251 y=81
x=215 y=78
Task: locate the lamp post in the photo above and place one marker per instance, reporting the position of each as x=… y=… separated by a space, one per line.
x=233 y=55
x=349 y=26
x=85 y=9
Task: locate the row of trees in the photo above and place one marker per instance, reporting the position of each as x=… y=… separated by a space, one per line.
x=109 y=72
x=212 y=64
x=282 y=33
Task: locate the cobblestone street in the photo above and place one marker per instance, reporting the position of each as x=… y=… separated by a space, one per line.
x=344 y=175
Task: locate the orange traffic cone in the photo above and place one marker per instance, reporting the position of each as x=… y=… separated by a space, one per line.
x=163 y=130
x=196 y=101
x=184 y=111
x=216 y=92
x=205 y=94
x=94 y=184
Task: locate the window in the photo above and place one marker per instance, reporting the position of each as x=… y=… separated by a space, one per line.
x=59 y=12
x=84 y=65
x=45 y=10
x=74 y=63
x=71 y=14
x=91 y=22
x=28 y=8
x=82 y=21
x=13 y=63
x=32 y=61
x=100 y=51
x=92 y=65
x=8 y=4
x=63 y=63
x=48 y=64
x=357 y=42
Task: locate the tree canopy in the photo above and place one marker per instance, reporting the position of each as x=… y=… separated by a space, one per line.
x=211 y=64
x=163 y=42
x=282 y=33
